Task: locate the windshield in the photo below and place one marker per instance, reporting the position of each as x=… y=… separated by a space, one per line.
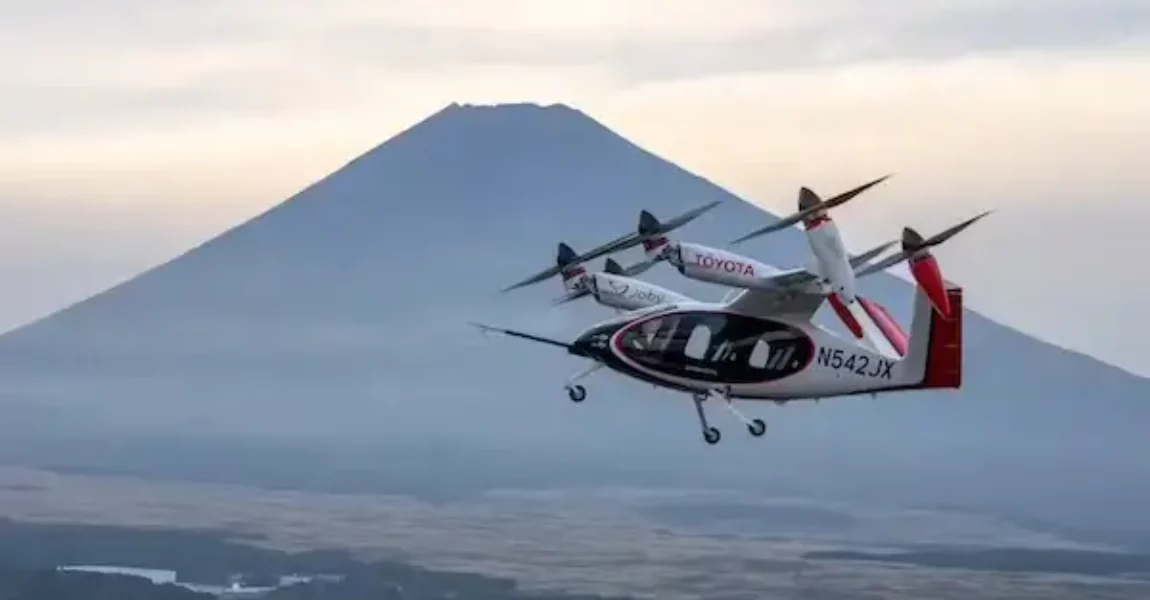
x=709 y=345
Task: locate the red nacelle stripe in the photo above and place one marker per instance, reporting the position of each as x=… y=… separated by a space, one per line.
x=845 y=316
x=887 y=325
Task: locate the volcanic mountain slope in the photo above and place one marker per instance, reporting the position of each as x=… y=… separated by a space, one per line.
x=339 y=317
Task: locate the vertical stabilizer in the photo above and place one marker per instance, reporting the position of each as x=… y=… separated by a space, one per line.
x=934 y=351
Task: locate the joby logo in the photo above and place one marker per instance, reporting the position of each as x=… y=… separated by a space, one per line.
x=725 y=265
x=647 y=295
x=617 y=288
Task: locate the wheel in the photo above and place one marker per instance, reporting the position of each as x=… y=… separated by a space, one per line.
x=712 y=435
x=757 y=427
x=577 y=393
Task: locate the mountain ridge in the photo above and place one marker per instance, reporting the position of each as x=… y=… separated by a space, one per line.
x=339 y=317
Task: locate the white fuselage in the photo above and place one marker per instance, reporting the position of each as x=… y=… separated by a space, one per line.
x=832 y=260
x=697 y=346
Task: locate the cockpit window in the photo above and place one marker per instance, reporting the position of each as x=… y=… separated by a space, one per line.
x=759 y=355
x=717 y=346
x=698 y=342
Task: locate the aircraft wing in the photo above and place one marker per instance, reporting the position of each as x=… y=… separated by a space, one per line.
x=799 y=276
x=786 y=300
x=791 y=303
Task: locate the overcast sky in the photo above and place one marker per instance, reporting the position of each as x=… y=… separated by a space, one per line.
x=133 y=129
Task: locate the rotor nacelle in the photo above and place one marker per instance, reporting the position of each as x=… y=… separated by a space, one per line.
x=925 y=270
x=571 y=270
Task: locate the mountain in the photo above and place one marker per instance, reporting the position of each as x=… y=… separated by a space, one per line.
x=337 y=321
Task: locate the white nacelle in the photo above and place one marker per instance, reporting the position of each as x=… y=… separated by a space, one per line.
x=625 y=293
x=712 y=265
x=833 y=263
x=574 y=277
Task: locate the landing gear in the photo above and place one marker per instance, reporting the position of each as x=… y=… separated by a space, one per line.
x=711 y=435
x=576 y=393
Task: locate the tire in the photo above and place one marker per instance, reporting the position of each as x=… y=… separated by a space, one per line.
x=712 y=435
x=757 y=427
x=577 y=393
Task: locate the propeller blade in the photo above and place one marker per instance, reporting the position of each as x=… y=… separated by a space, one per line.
x=789 y=220
x=639 y=267
x=570 y=296
x=913 y=242
x=949 y=233
x=866 y=257
x=884 y=264
x=618 y=244
x=773 y=227
x=687 y=217
x=541 y=276
x=844 y=197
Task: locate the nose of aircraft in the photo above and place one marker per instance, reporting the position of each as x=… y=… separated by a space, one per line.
x=593 y=342
x=585 y=344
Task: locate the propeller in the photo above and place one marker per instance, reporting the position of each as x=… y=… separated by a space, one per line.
x=914 y=244
x=649 y=227
x=809 y=205
x=611 y=267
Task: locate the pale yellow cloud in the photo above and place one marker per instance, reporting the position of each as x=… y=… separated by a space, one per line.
x=1013 y=125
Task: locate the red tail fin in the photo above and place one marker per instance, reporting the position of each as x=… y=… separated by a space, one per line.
x=944 y=353
x=934 y=357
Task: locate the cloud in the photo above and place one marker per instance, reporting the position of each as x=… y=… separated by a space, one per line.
x=201 y=114
x=139 y=61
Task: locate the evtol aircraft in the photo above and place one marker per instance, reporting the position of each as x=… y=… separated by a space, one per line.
x=759 y=342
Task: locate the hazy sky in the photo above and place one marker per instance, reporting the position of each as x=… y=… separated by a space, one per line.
x=134 y=129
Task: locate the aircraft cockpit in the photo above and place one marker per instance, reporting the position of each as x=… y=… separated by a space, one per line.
x=716 y=346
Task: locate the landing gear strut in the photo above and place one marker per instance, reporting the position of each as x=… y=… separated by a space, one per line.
x=575 y=392
x=756 y=427
x=711 y=435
